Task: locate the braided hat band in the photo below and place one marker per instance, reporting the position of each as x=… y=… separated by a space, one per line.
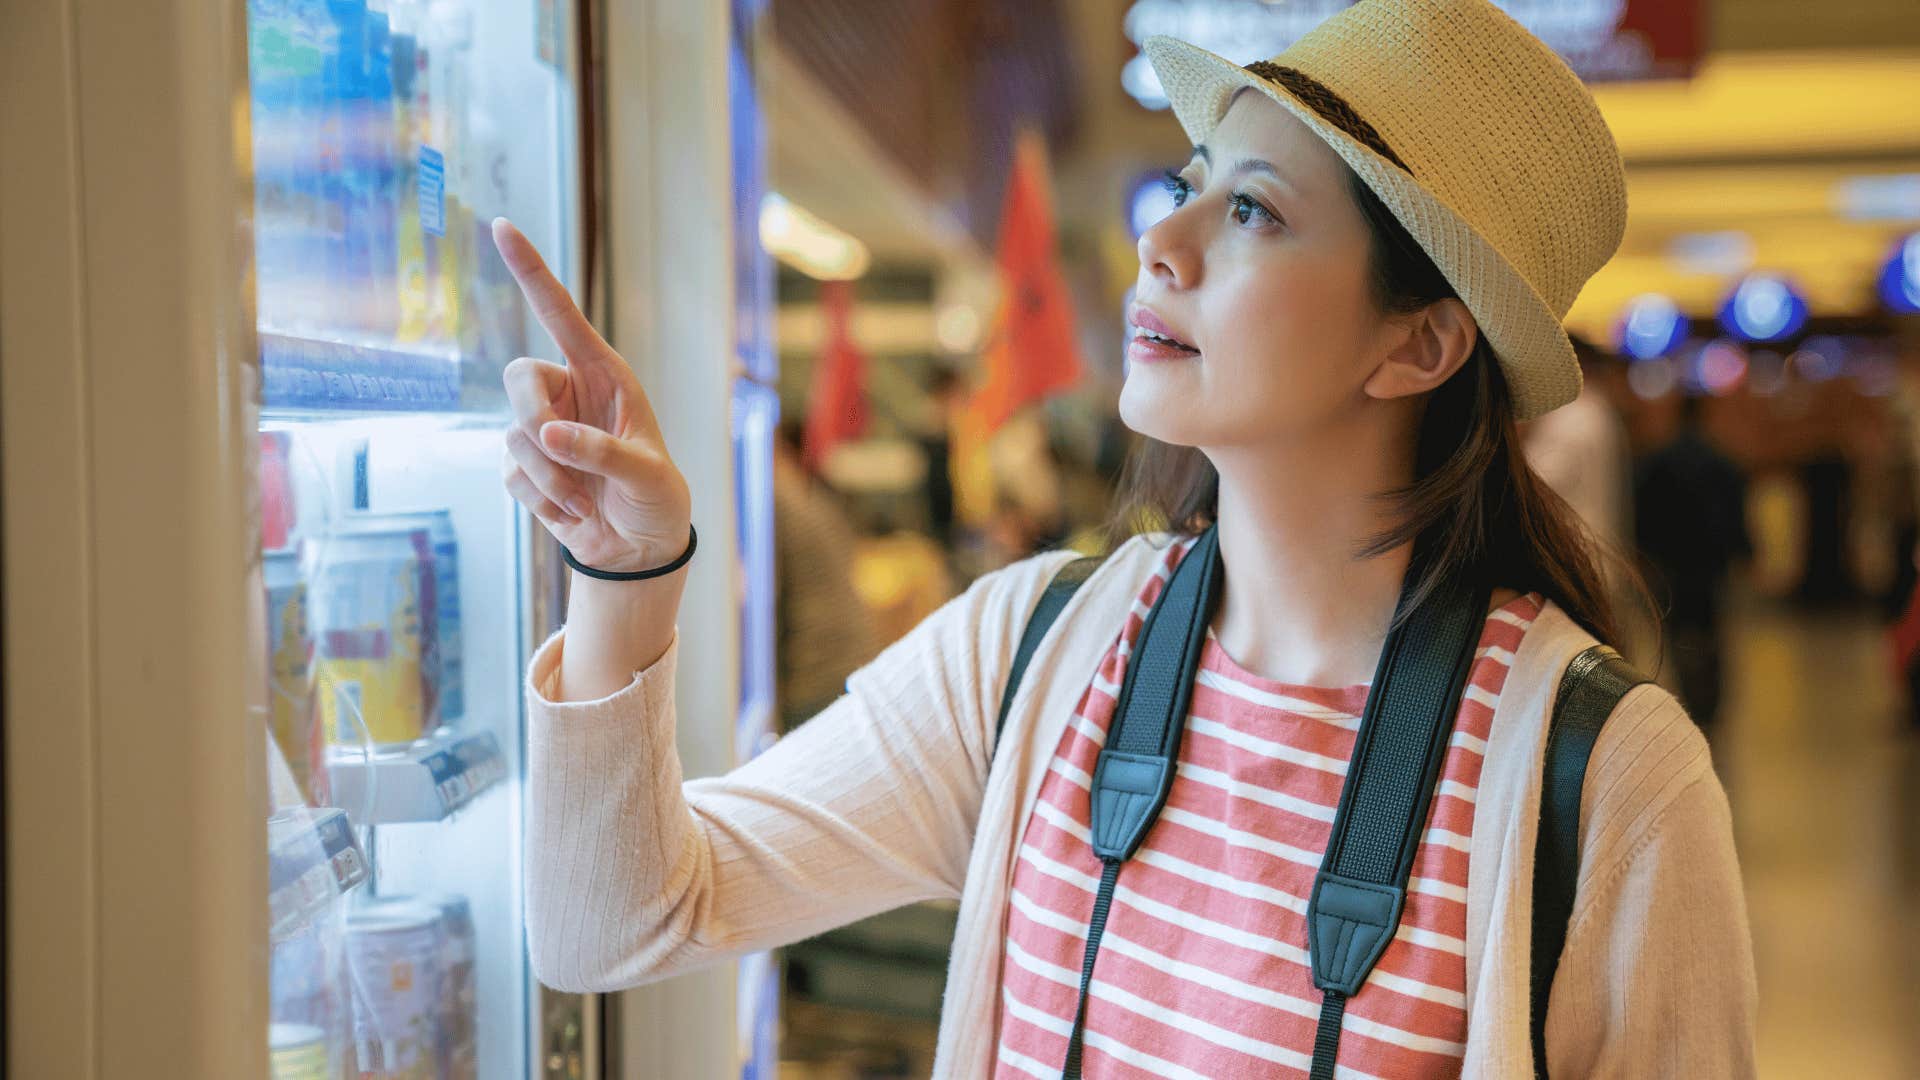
x=1474 y=134
x=1327 y=104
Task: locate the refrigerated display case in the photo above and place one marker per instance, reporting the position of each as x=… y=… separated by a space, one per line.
x=217 y=388
x=385 y=138
x=268 y=606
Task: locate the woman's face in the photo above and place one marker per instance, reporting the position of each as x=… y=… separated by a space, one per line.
x=1263 y=268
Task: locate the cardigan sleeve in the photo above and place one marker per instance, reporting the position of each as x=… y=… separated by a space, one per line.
x=1657 y=976
x=634 y=875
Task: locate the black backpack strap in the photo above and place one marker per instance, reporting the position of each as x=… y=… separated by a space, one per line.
x=1136 y=765
x=1360 y=892
x=1593 y=685
x=1052 y=599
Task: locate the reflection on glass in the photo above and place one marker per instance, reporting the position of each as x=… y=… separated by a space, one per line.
x=387 y=134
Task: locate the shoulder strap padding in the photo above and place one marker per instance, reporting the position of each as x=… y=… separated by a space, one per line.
x=1054 y=597
x=1591 y=689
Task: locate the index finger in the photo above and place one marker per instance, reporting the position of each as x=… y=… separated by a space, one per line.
x=551 y=304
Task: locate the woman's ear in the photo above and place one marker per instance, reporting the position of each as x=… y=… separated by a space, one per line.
x=1431 y=345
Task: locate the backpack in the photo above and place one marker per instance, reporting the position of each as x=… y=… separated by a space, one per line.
x=1594 y=683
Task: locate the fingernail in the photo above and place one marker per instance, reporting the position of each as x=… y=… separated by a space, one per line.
x=579 y=507
x=563 y=440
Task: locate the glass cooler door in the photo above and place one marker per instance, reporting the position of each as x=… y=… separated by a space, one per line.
x=400 y=591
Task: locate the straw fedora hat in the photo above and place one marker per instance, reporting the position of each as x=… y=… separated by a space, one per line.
x=1500 y=163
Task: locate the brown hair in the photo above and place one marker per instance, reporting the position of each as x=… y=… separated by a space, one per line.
x=1486 y=509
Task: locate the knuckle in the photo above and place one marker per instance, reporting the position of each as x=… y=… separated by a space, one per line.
x=523 y=443
x=591 y=445
x=647 y=461
x=530 y=491
x=526 y=380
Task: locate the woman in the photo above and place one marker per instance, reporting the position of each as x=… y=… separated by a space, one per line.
x=1358 y=294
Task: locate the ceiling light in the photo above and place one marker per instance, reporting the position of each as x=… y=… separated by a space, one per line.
x=808 y=244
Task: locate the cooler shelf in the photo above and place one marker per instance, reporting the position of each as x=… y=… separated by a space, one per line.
x=312 y=373
x=313 y=858
x=423 y=782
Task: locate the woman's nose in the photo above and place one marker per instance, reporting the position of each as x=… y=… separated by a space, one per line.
x=1166 y=248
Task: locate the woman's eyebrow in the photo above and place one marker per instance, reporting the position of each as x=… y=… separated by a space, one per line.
x=1245 y=165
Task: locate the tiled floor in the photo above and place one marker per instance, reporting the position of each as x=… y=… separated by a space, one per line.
x=1823 y=775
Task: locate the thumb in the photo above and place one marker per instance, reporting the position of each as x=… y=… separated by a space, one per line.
x=582 y=446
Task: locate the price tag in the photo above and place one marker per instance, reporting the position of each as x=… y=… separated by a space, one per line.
x=433 y=191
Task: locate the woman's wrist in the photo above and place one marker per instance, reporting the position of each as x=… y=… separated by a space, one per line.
x=615 y=629
x=646 y=564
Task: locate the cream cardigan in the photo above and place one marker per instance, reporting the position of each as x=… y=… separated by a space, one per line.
x=885 y=798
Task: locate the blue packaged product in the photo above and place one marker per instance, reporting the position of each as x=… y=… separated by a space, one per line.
x=446 y=563
x=378 y=166
x=290 y=43
x=339 y=87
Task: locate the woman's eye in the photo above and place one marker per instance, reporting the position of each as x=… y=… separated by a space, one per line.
x=1242 y=206
x=1245 y=202
x=1177 y=187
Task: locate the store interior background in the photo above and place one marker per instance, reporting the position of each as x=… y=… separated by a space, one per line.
x=1794 y=147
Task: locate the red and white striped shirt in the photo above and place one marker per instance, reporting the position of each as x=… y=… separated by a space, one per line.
x=1203 y=970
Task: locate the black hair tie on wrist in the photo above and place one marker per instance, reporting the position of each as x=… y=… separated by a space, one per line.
x=693 y=541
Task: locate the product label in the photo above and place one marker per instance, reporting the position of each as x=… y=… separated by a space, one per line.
x=433 y=192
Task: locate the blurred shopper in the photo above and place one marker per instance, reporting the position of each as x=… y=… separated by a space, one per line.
x=1580 y=450
x=1691 y=524
x=822 y=628
x=1026 y=469
x=1902 y=508
x=947 y=394
x=1827 y=578
x=1583 y=453
x=1902 y=604
x=1016 y=533
x=902 y=576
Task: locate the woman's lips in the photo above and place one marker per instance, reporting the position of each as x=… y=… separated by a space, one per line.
x=1145 y=321
x=1148 y=350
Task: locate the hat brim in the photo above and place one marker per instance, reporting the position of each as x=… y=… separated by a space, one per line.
x=1526 y=334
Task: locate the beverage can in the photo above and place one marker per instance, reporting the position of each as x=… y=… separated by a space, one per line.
x=297 y=978
x=297 y=1052
x=307 y=985
x=290 y=691
x=442 y=663
x=459 y=1002
x=369 y=614
x=277 y=507
x=446 y=572
x=394 y=957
